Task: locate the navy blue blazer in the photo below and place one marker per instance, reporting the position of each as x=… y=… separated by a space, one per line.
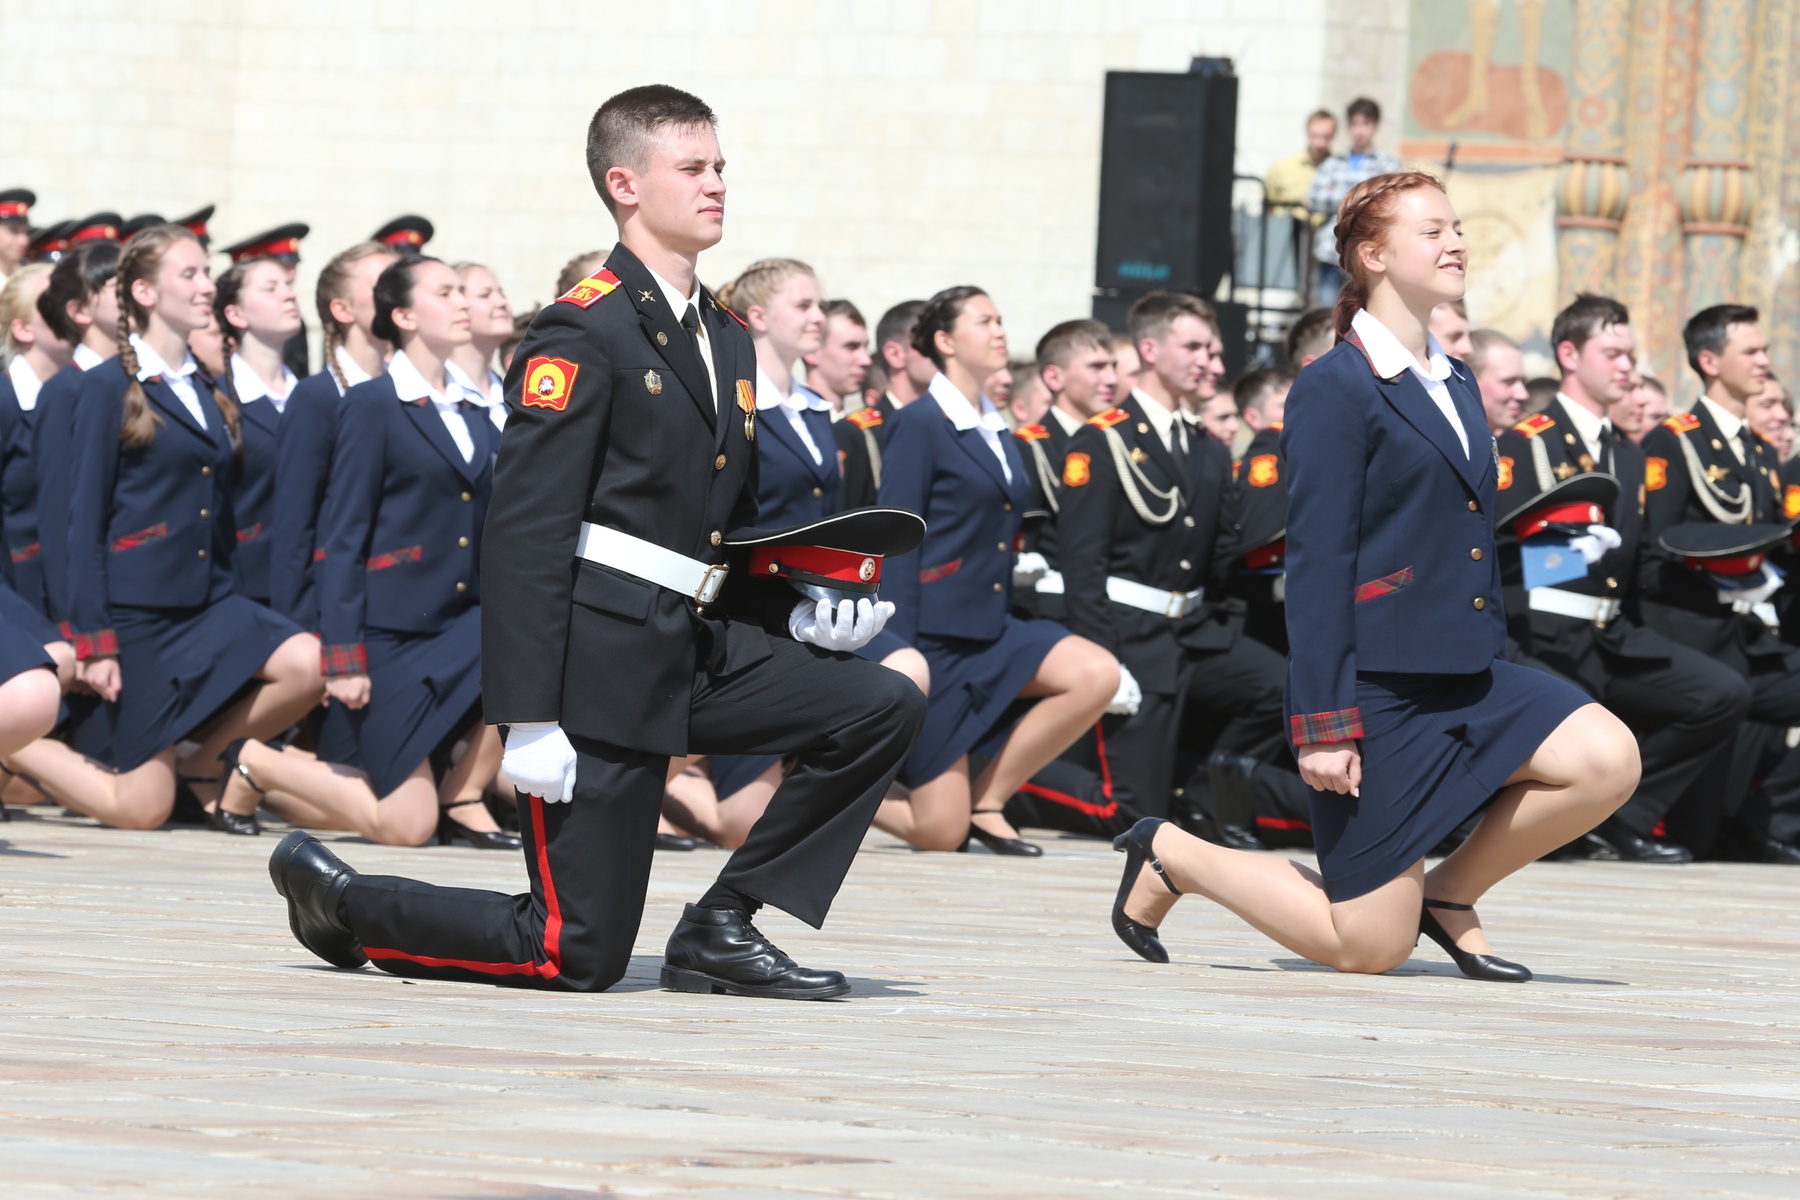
x=1390 y=540
x=308 y=435
x=253 y=495
x=21 y=558
x=792 y=489
x=52 y=444
x=401 y=524
x=148 y=528
x=958 y=583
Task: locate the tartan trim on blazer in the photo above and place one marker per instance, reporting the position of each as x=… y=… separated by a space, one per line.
x=132 y=541
x=67 y=630
x=941 y=571
x=393 y=558
x=1343 y=725
x=1355 y=339
x=319 y=555
x=250 y=534
x=349 y=658
x=26 y=553
x=1384 y=585
x=102 y=643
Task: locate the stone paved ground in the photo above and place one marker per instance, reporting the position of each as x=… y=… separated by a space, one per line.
x=160 y=1035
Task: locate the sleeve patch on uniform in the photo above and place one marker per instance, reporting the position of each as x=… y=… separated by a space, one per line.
x=1265 y=471
x=1535 y=424
x=1503 y=473
x=548 y=382
x=865 y=418
x=1790 y=501
x=590 y=289
x=1656 y=474
x=1685 y=422
x=1076 y=470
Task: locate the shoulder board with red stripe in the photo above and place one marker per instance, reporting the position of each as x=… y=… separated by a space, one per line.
x=1535 y=424
x=729 y=313
x=1277 y=426
x=865 y=418
x=1031 y=433
x=1685 y=422
x=1109 y=418
x=590 y=289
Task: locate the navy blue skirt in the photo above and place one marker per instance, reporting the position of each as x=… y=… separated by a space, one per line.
x=424 y=691
x=1435 y=750
x=23 y=635
x=181 y=666
x=880 y=646
x=975 y=693
x=732 y=772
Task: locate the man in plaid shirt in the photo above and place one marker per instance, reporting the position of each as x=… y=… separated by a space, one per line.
x=1337 y=175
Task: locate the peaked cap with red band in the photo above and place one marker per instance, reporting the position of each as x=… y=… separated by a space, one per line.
x=195 y=223
x=1592 y=489
x=1723 y=549
x=837 y=558
x=409 y=232
x=101 y=227
x=15 y=205
x=281 y=244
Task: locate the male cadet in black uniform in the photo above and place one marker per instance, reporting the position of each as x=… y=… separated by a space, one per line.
x=862 y=435
x=1705 y=466
x=629 y=454
x=1679 y=703
x=1260 y=577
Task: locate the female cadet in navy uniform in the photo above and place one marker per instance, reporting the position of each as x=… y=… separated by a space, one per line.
x=165 y=637
x=1404 y=716
x=34 y=354
x=30 y=683
x=399 y=599
x=257 y=314
x=353 y=354
x=490 y=327
x=950 y=459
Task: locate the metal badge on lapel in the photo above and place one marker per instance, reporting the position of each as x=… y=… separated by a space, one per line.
x=746 y=398
x=653 y=381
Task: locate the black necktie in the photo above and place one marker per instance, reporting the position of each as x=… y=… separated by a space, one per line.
x=690 y=321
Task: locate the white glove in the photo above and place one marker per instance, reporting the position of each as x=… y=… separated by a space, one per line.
x=1743 y=599
x=1598 y=540
x=852 y=628
x=540 y=761
x=1028 y=568
x=1125 y=701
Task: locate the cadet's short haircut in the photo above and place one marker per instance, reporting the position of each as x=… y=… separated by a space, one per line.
x=1654 y=384
x=1710 y=329
x=1255 y=388
x=1152 y=315
x=624 y=125
x=1483 y=342
x=1362 y=106
x=939 y=315
x=896 y=324
x=1586 y=319
x=1312 y=333
x=846 y=310
x=1459 y=308
x=578 y=269
x=1540 y=392
x=1064 y=341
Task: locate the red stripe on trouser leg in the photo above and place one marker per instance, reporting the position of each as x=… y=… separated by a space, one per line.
x=426 y=960
x=1282 y=823
x=1105 y=767
x=1068 y=801
x=552 y=906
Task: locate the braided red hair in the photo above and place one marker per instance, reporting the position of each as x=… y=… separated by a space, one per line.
x=1365 y=216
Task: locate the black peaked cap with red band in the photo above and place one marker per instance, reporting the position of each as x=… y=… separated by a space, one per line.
x=281 y=244
x=1592 y=489
x=139 y=223
x=49 y=242
x=836 y=558
x=1723 y=549
x=101 y=227
x=15 y=206
x=409 y=232
x=195 y=223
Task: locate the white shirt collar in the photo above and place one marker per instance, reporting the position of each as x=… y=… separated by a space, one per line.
x=410 y=385
x=1592 y=429
x=1161 y=419
x=802 y=398
x=250 y=386
x=483 y=395
x=963 y=414
x=151 y=363
x=1729 y=425
x=678 y=303
x=25 y=382
x=86 y=357
x=1069 y=424
x=1390 y=357
x=353 y=372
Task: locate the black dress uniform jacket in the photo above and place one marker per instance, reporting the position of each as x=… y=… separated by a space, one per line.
x=1258 y=578
x=861 y=437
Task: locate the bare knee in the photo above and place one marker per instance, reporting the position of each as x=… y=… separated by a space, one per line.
x=1608 y=756
x=912 y=664
x=296 y=662
x=1093 y=671
x=1375 y=956
x=941 y=840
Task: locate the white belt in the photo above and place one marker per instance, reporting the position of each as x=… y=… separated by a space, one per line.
x=1050 y=585
x=698 y=581
x=1152 y=600
x=1599 y=609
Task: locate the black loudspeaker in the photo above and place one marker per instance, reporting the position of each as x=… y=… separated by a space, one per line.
x=1167 y=157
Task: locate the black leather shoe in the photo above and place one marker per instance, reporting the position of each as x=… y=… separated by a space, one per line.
x=1012 y=846
x=1762 y=848
x=1135 y=842
x=1476 y=966
x=449 y=829
x=719 y=950
x=222 y=818
x=676 y=841
x=1629 y=846
x=312 y=879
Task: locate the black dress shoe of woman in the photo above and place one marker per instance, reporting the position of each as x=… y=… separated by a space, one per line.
x=1135 y=842
x=1016 y=847
x=1475 y=966
x=676 y=841
x=449 y=829
x=222 y=818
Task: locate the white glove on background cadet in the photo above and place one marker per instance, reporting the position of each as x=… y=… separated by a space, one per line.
x=1125 y=701
x=1594 y=545
x=851 y=628
x=540 y=761
x=1028 y=568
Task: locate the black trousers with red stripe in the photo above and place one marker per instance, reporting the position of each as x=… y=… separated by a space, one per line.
x=850 y=724
x=1135 y=756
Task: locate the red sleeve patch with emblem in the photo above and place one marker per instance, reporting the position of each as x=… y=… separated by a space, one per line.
x=1656 y=474
x=1077 y=470
x=1790 y=501
x=1265 y=471
x=1503 y=476
x=548 y=382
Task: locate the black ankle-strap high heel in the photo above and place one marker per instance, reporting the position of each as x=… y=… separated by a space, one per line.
x=449 y=828
x=1476 y=966
x=222 y=818
x=1135 y=842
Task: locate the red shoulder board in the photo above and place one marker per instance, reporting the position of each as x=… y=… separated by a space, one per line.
x=1031 y=433
x=865 y=418
x=1276 y=425
x=591 y=289
x=1535 y=424
x=1685 y=422
x=1109 y=418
